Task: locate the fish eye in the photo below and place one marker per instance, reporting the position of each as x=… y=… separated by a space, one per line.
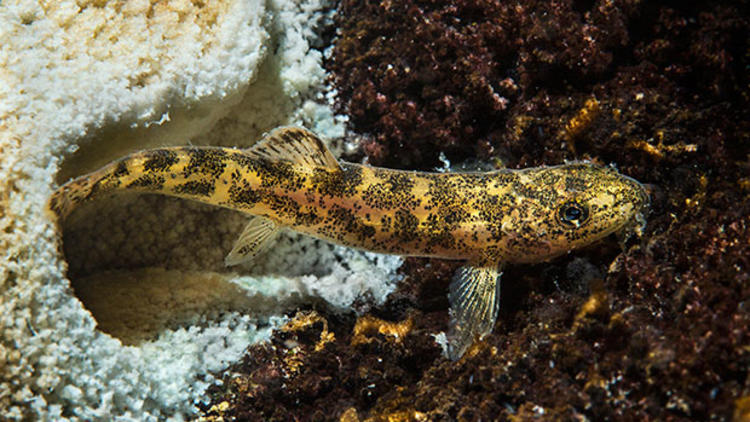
x=573 y=214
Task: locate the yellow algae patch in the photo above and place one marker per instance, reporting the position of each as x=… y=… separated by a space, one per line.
x=582 y=120
x=477 y=347
x=742 y=409
x=659 y=150
x=219 y=410
x=699 y=197
x=520 y=124
x=367 y=326
x=349 y=415
x=596 y=304
x=305 y=319
x=396 y=409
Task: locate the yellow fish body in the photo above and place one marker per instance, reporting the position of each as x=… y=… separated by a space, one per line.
x=290 y=179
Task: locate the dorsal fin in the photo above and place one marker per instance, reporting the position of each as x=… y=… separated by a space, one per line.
x=296 y=145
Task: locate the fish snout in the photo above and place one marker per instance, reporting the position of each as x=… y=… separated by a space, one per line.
x=640 y=193
x=641 y=202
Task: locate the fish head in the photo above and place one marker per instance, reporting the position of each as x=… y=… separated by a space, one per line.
x=570 y=206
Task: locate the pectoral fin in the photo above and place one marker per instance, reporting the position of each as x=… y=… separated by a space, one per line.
x=254 y=238
x=475 y=300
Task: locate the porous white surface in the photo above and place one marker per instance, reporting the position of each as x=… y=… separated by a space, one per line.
x=340 y=276
x=82 y=82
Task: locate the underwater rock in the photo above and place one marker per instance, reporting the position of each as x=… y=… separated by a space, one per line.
x=132 y=319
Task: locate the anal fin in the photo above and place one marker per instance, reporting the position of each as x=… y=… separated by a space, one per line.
x=255 y=237
x=475 y=301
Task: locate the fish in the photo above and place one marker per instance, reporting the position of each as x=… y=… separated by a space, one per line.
x=291 y=180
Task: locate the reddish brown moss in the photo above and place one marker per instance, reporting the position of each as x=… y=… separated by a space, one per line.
x=664 y=334
x=421 y=77
x=293 y=378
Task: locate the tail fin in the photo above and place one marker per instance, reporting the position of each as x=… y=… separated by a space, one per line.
x=69 y=196
x=144 y=171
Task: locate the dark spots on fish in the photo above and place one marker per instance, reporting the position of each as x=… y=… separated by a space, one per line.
x=440 y=224
x=121 y=169
x=337 y=183
x=292 y=136
x=310 y=197
x=442 y=191
x=502 y=178
x=196 y=187
x=520 y=242
x=206 y=161
x=385 y=223
x=96 y=188
x=544 y=178
x=242 y=160
x=445 y=219
x=492 y=209
x=377 y=196
x=400 y=182
x=392 y=191
x=405 y=226
x=281 y=205
x=342 y=221
x=272 y=174
x=277 y=174
x=287 y=209
x=105 y=184
x=296 y=136
x=55 y=205
x=310 y=218
x=527 y=190
x=576 y=184
x=112 y=180
x=444 y=240
x=148 y=181
x=159 y=160
x=243 y=195
x=451 y=194
x=452 y=217
x=596 y=209
x=235 y=176
x=244 y=250
x=629 y=196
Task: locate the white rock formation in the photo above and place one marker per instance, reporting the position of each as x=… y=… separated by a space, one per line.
x=131 y=323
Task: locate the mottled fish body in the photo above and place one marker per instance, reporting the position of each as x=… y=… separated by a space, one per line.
x=290 y=180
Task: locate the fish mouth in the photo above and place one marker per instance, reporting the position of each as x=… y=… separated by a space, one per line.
x=641 y=207
x=644 y=196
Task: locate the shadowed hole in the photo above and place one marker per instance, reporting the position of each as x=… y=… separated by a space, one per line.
x=143 y=263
